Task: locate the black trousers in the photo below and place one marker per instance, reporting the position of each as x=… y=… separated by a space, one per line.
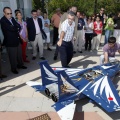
x=15 y=56
x=55 y=35
x=0 y=64
x=66 y=53
x=88 y=38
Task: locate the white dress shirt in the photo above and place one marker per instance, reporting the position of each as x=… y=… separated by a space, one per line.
x=36 y=26
x=11 y=21
x=41 y=17
x=68 y=29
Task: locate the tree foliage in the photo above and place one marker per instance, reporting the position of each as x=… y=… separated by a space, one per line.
x=86 y=6
x=36 y=4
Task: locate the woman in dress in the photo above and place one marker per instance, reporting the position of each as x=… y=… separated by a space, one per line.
x=23 y=34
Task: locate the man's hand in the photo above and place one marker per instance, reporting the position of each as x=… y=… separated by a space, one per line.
x=59 y=43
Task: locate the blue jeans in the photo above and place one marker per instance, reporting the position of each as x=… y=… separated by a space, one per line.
x=107 y=35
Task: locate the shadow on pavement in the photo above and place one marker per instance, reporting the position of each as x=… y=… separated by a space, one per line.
x=15 y=87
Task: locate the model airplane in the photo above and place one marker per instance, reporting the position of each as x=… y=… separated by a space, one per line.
x=65 y=85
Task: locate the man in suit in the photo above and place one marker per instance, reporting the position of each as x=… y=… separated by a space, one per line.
x=12 y=41
x=1 y=75
x=35 y=34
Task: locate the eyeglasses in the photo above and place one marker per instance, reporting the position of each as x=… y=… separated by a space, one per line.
x=9 y=13
x=102 y=10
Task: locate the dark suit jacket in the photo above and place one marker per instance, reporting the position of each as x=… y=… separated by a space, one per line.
x=32 y=30
x=10 y=32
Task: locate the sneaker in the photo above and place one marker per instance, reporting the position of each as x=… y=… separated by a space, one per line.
x=55 y=58
x=14 y=71
x=42 y=58
x=49 y=49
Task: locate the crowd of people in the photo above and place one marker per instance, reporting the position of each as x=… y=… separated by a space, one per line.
x=72 y=31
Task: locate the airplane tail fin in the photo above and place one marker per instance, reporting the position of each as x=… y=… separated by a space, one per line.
x=66 y=87
x=66 y=94
x=47 y=73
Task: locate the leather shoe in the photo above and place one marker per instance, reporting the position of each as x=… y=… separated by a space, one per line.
x=80 y=52
x=49 y=49
x=68 y=67
x=21 y=67
x=74 y=52
x=33 y=58
x=55 y=58
x=27 y=61
x=42 y=58
x=14 y=71
x=3 y=76
x=24 y=67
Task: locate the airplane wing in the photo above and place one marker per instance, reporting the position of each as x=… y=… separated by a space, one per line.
x=103 y=92
x=70 y=71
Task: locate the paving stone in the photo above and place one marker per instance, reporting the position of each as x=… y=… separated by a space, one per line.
x=46 y=105
x=5 y=102
x=14 y=116
x=26 y=104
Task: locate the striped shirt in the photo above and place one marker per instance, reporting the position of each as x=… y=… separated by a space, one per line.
x=68 y=29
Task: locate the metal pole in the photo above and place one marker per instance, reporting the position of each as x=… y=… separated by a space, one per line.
x=95 y=6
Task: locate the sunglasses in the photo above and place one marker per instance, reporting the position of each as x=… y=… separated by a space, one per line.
x=102 y=10
x=9 y=13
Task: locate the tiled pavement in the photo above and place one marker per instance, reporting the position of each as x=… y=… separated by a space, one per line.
x=52 y=115
x=20 y=102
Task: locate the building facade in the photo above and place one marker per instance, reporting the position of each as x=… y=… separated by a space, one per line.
x=24 y=5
